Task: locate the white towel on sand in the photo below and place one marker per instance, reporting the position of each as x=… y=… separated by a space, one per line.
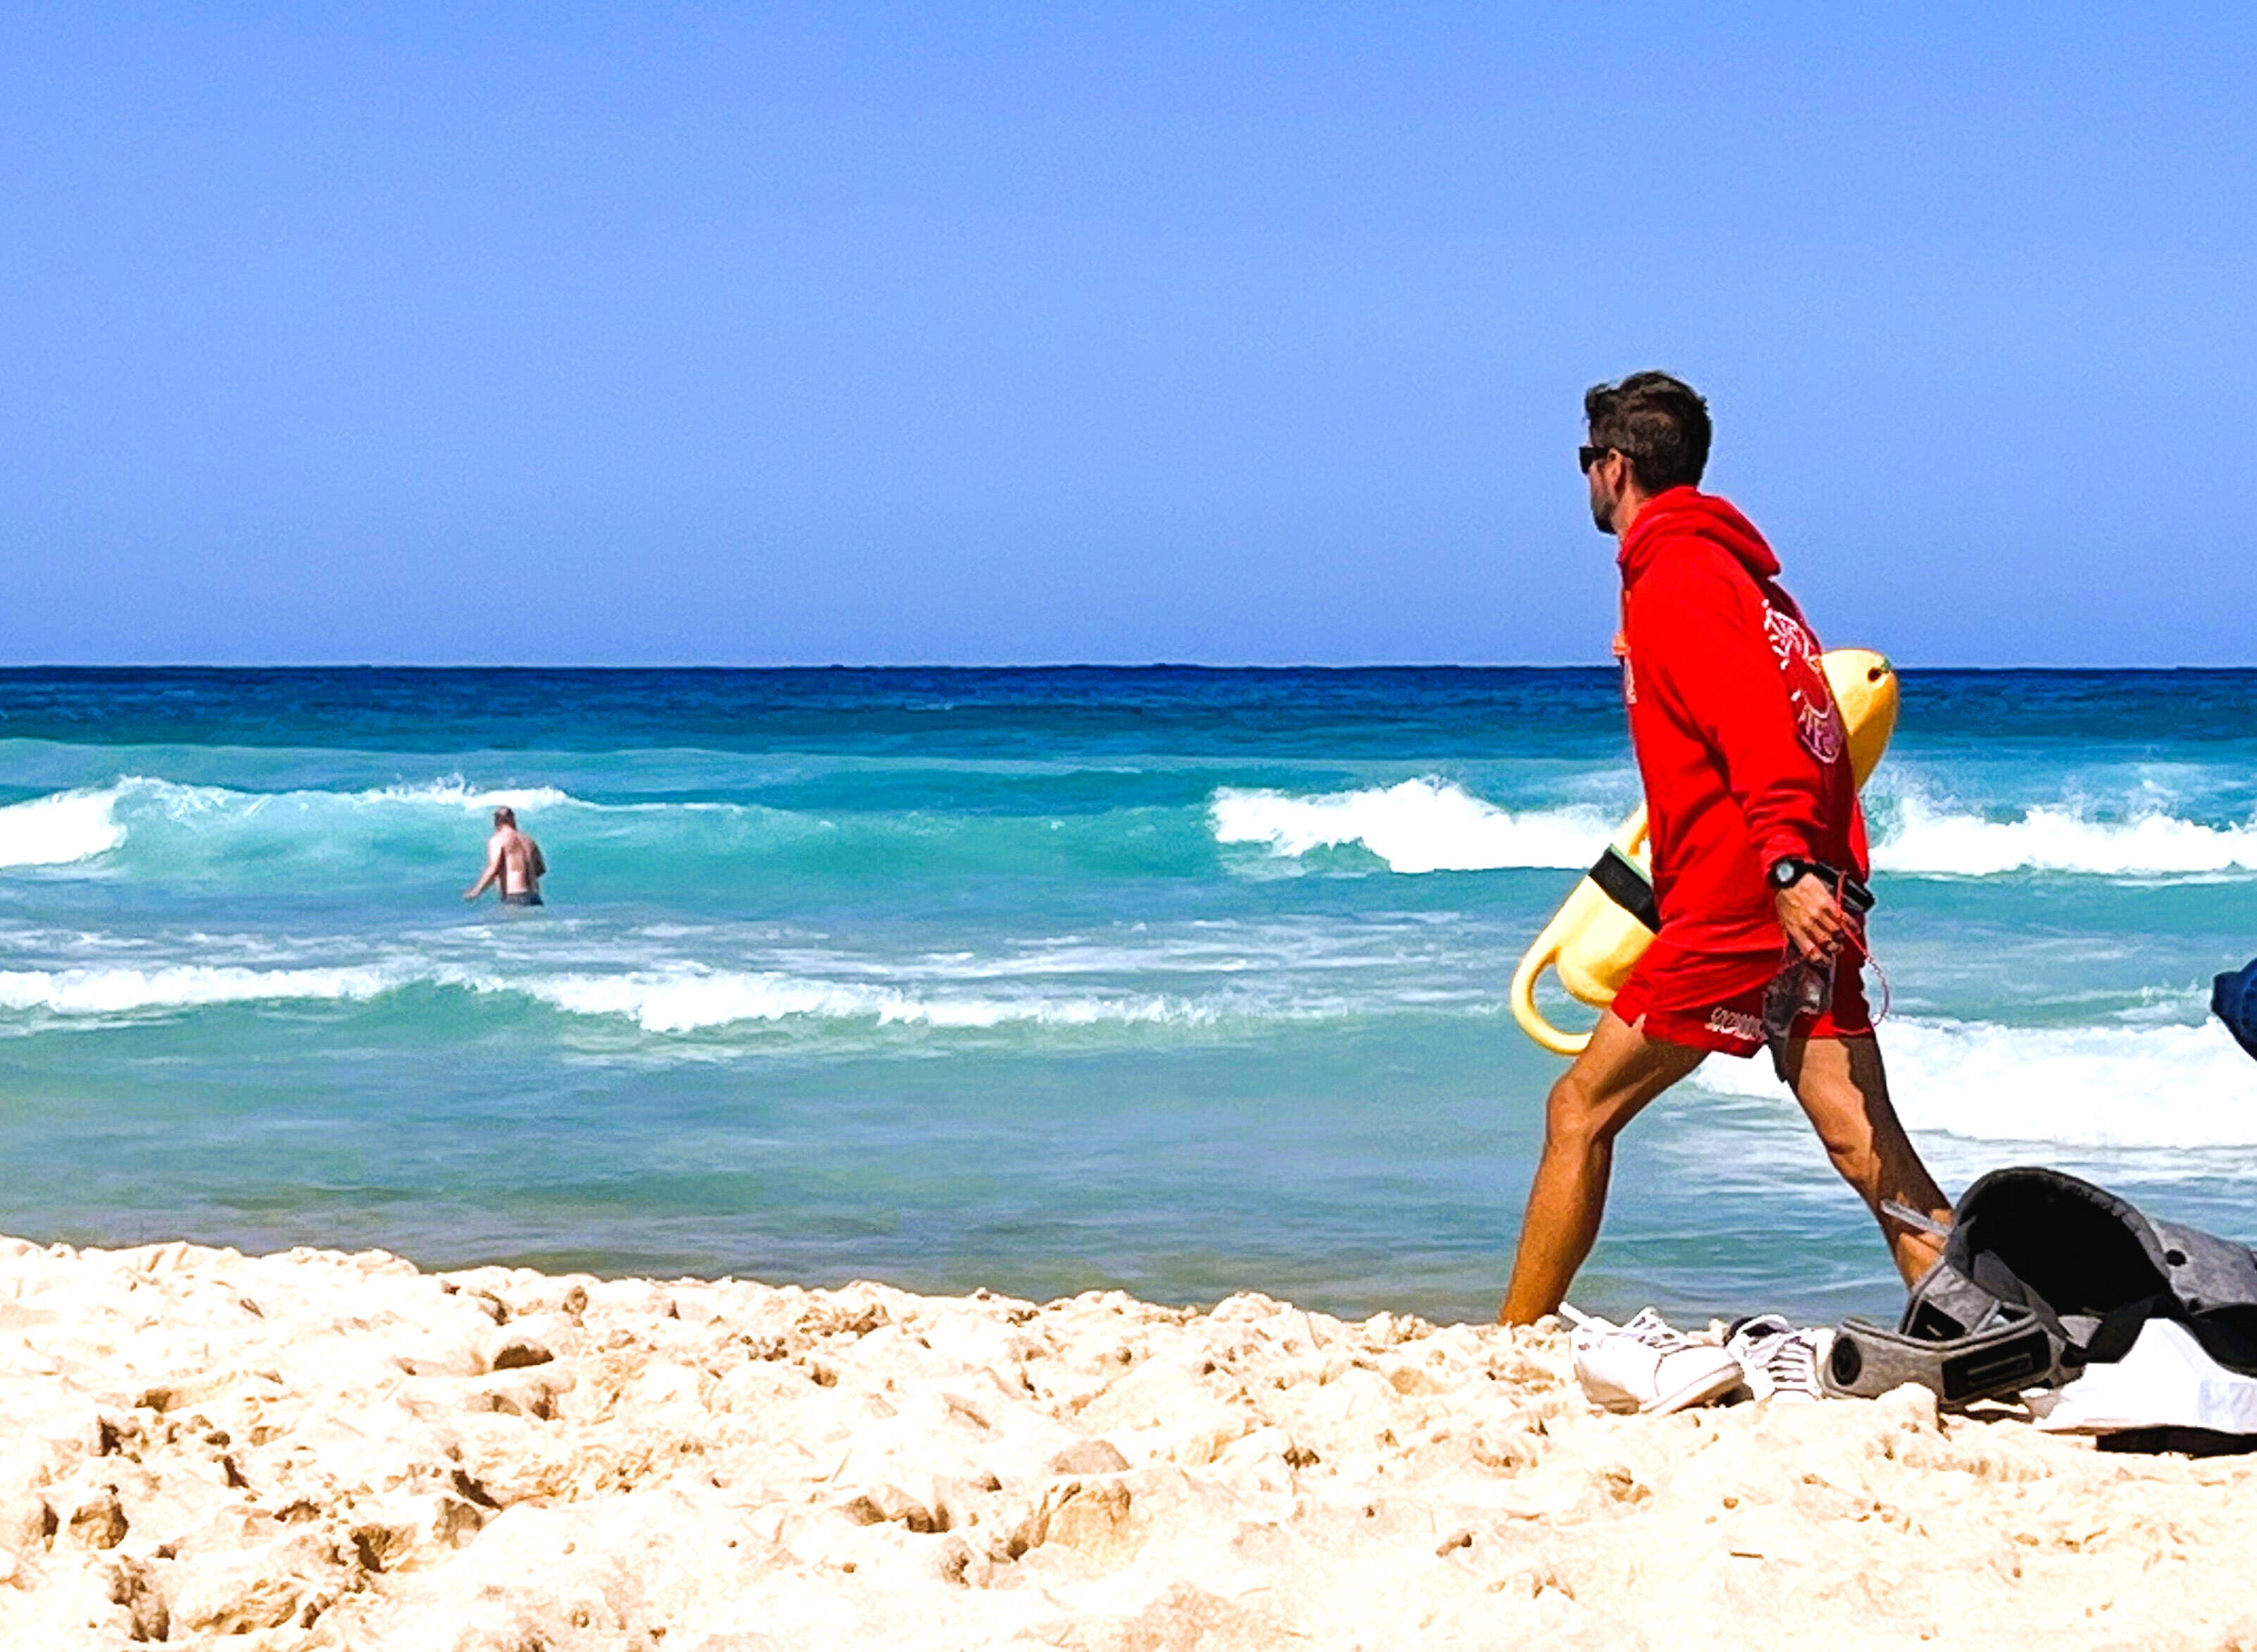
x=2165 y=1381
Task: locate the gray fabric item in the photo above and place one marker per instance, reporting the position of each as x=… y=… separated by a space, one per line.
x=2205 y=1272
x=2033 y=1253
x=2005 y=1358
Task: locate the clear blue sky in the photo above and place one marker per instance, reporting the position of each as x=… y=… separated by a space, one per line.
x=762 y=333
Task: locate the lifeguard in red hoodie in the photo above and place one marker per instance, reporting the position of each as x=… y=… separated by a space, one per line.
x=1757 y=839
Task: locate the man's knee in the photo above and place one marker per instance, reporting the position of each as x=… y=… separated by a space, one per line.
x=1576 y=1113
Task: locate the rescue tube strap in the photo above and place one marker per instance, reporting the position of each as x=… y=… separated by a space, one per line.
x=1621 y=882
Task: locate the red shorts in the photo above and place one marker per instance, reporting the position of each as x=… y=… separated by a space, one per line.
x=1734 y=1025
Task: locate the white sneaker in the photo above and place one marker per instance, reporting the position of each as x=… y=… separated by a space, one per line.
x=1646 y=1366
x=1780 y=1362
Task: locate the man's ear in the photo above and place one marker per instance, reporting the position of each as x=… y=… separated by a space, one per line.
x=1629 y=496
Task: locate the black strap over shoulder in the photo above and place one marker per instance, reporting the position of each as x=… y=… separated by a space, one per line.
x=1621 y=882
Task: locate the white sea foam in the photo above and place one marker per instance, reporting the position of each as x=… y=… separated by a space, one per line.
x=1927 y=841
x=454 y=792
x=113 y=990
x=67 y=827
x=686 y=1000
x=59 y=830
x=2109 y=1087
x=1433 y=825
x=1418 y=825
x=668 y=1001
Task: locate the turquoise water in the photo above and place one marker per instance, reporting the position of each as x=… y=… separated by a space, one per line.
x=1182 y=981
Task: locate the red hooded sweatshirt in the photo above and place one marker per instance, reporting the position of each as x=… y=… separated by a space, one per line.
x=1742 y=753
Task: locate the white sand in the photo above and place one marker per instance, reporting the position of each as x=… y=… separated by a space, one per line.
x=322 y=1450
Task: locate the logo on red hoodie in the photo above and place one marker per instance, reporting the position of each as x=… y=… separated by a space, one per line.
x=1815 y=725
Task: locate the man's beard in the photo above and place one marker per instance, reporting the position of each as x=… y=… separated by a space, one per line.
x=1602 y=513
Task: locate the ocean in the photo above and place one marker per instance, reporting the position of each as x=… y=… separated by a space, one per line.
x=1179 y=980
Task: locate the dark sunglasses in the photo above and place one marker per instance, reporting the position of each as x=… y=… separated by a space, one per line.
x=1586 y=458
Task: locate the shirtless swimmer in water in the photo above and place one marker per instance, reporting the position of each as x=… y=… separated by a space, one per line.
x=513 y=860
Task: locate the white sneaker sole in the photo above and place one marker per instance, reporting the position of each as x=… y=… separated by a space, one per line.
x=1693 y=1393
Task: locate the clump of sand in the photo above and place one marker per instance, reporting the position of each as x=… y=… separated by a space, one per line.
x=320 y=1450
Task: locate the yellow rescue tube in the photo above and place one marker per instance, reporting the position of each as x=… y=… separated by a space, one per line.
x=1595 y=937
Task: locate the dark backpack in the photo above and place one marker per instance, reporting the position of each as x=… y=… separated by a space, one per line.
x=2041 y=1273
x=2234 y=1000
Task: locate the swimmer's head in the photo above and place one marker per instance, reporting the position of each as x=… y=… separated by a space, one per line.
x=505 y=817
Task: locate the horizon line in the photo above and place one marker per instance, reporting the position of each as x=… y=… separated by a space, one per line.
x=12 y=668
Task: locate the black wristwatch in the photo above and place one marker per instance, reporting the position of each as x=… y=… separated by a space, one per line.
x=1789 y=869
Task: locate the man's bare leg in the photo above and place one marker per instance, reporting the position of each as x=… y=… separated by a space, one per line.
x=1607 y=1087
x=1843 y=1088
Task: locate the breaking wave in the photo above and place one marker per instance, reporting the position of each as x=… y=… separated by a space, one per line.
x=1436 y=825
x=457 y=793
x=69 y=827
x=670 y=1001
x=59 y=830
x=690 y=1001
x=1418 y=825
x=122 y=990
x=1428 y=824
x=1924 y=840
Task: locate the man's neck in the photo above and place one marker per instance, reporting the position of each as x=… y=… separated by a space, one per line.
x=1627 y=508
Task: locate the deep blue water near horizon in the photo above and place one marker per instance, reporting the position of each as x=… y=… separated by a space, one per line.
x=1182 y=980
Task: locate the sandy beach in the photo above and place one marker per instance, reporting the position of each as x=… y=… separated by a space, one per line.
x=314 y=1450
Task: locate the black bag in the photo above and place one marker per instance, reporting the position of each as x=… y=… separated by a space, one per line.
x=2040 y=1274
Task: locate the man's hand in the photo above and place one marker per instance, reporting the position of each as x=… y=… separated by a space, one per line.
x=491 y=873
x=1812 y=918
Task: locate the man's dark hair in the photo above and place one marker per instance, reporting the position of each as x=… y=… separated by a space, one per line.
x=1658 y=422
x=505 y=816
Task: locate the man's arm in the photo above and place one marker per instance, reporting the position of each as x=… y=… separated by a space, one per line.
x=492 y=871
x=536 y=863
x=1700 y=639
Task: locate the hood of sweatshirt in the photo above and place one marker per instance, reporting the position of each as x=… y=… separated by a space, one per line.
x=1683 y=512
